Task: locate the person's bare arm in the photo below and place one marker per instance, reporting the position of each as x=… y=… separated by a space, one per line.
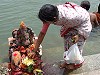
x=41 y=35
x=39 y=40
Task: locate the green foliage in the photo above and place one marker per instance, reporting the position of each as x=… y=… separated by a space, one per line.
x=30 y=68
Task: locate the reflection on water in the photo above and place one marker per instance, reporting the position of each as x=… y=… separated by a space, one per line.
x=12 y=12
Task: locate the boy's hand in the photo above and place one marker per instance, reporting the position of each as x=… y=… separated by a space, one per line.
x=75 y=38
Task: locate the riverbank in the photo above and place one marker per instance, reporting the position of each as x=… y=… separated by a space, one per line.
x=91 y=66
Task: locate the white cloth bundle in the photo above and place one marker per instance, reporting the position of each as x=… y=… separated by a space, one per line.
x=73 y=55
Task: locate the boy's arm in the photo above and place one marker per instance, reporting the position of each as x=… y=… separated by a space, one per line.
x=39 y=41
x=41 y=36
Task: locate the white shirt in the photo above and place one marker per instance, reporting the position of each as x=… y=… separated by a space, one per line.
x=74 y=16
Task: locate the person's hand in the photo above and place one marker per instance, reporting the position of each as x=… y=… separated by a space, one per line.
x=75 y=38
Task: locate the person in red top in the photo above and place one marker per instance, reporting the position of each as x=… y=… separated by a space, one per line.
x=75 y=26
x=98 y=14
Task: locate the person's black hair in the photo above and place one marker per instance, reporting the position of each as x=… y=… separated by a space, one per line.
x=48 y=12
x=85 y=5
x=99 y=8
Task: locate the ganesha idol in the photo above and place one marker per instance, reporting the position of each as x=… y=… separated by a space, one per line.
x=23 y=59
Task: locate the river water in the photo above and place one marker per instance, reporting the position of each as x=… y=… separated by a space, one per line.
x=12 y=12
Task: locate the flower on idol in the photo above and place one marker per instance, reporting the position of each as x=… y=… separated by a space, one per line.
x=38 y=72
x=27 y=61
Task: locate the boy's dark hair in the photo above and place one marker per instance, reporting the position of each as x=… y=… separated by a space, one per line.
x=99 y=8
x=48 y=12
x=85 y=5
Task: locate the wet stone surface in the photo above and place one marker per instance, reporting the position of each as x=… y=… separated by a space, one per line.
x=91 y=63
x=52 y=69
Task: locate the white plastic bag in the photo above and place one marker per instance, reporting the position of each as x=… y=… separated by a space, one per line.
x=73 y=55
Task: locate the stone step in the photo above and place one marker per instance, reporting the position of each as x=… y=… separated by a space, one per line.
x=94 y=72
x=91 y=66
